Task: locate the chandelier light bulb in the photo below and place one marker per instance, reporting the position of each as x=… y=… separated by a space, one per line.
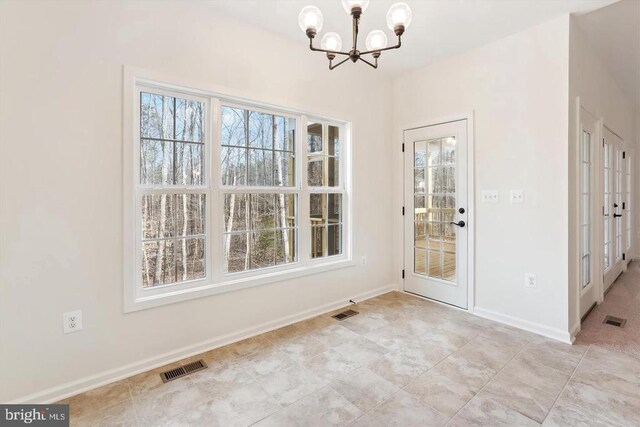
x=310 y=19
x=376 y=40
x=350 y=4
x=399 y=15
x=331 y=41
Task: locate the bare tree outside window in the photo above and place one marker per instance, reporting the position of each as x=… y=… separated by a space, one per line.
x=258 y=150
x=172 y=156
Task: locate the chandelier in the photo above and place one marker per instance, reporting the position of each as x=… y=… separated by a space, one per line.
x=398 y=19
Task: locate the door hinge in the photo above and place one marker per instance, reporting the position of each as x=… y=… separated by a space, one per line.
x=624 y=154
x=403 y=147
x=603 y=210
x=603 y=142
x=624 y=257
x=403 y=273
x=403 y=211
x=623 y=205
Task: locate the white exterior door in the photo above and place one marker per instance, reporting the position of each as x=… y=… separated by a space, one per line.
x=436 y=212
x=614 y=215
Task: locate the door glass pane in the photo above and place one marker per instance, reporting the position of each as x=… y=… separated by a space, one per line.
x=607 y=205
x=434 y=208
x=585 y=207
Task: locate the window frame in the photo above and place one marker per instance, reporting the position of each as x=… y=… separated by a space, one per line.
x=216 y=280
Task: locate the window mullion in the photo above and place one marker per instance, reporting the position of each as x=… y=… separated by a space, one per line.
x=216 y=200
x=304 y=220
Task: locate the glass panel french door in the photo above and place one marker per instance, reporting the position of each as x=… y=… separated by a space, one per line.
x=614 y=210
x=589 y=286
x=606 y=210
x=436 y=198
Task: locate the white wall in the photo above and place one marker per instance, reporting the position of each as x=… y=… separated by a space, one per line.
x=61 y=179
x=590 y=80
x=518 y=89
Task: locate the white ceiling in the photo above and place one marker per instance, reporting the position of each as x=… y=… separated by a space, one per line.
x=440 y=28
x=614 y=32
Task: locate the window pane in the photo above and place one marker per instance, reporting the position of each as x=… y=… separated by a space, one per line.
x=285 y=129
x=314 y=137
x=285 y=169
x=233 y=166
x=189 y=120
x=260 y=130
x=334 y=172
x=433 y=152
x=285 y=210
x=189 y=164
x=190 y=256
x=263 y=211
x=156 y=116
x=190 y=214
x=263 y=249
x=233 y=127
x=260 y=167
x=156 y=162
x=334 y=141
x=236 y=252
x=449 y=151
x=285 y=246
x=334 y=208
x=158 y=216
x=317 y=202
x=158 y=263
x=420 y=261
x=419 y=186
x=315 y=171
x=334 y=243
x=317 y=241
x=435 y=267
x=236 y=210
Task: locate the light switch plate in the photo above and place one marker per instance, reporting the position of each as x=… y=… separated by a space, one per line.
x=490 y=196
x=517 y=196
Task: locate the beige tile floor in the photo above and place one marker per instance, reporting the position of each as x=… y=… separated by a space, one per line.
x=402 y=361
x=622 y=300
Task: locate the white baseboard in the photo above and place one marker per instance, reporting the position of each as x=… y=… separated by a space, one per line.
x=82 y=385
x=536 y=328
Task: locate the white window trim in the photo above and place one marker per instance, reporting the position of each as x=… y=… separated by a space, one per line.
x=216 y=281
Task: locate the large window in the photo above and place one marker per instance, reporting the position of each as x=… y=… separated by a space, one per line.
x=228 y=195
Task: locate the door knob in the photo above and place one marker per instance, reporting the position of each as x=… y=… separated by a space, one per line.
x=459 y=223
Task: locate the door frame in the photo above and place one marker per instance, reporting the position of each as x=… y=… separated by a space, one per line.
x=469 y=117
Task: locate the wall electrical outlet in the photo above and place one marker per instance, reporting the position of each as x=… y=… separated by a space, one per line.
x=363 y=260
x=72 y=321
x=530 y=280
x=517 y=196
x=490 y=196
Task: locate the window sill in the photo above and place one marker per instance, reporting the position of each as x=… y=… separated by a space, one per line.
x=142 y=302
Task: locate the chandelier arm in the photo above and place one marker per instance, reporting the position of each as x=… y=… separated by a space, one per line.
x=331 y=66
x=369 y=63
x=335 y=52
x=397 y=46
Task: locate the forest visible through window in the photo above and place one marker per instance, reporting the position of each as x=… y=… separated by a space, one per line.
x=258 y=186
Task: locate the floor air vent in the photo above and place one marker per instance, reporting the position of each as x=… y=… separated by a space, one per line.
x=345 y=314
x=614 y=321
x=174 y=374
